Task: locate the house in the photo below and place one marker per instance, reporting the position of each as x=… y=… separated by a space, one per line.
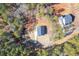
x=66 y=23
x=41 y=30
x=66 y=20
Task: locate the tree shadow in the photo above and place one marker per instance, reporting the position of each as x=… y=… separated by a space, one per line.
x=33 y=45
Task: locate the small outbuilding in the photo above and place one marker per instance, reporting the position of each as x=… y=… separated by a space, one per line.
x=66 y=20
x=41 y=30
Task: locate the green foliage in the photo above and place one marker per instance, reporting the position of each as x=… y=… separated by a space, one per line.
x=70 y=48
x=14 y=48
x=58 y=32
x=1 y=32
x=2 y=8
x=55 y=19
x=13 y=51
x=40 y=10
x=50 y=11
x=42 y=53
x=43 y=11
x=57 y=50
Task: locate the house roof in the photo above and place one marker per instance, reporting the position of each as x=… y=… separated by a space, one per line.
x=65 y=19
x=41 y=30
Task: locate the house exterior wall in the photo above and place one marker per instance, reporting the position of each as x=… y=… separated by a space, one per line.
x=35 y=33
x=61 y=21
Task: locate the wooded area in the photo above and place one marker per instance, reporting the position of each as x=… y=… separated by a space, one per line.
x=16 y=20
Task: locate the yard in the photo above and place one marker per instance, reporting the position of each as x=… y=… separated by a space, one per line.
x=73 y=9
x=45 y=39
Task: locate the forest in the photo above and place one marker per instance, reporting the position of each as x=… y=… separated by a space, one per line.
x=16 y=20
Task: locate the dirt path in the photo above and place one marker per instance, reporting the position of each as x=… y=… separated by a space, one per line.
x=76 y=32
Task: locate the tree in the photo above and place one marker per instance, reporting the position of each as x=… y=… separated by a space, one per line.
x=42 y=52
